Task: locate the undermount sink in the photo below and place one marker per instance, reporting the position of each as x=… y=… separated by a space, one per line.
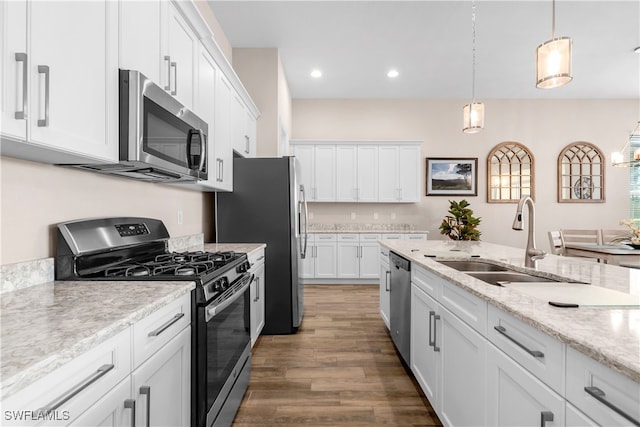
x=498 y=277
x=464 y=265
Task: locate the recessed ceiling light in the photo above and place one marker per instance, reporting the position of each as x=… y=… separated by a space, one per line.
x=392 y=74
x=316 y=74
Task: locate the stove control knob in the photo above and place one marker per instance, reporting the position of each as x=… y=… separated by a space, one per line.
x=244 y=267
x=216 y=286
x=224 y=283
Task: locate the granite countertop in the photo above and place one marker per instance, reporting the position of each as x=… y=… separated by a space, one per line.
x=236 y=247
x=610 y=335
x=45 y=326
x=364 y=228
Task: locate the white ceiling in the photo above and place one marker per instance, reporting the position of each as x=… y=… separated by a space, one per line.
x=355 y=43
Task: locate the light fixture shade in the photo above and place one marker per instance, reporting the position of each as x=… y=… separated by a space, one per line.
x=473 y=117
x=553 y=63
x=616 y=158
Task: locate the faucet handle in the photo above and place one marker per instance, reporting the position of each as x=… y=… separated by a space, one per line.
x=536 y=254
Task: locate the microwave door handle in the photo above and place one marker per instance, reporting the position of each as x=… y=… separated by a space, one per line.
x=202 y=157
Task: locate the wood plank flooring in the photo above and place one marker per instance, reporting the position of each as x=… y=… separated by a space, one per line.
x=340 y=369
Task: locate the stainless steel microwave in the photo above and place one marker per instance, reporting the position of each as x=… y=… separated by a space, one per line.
x=160 y=139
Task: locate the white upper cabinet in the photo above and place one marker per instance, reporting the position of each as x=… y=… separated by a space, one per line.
x=140 y=38
x=243 y=128
x=366 y=172
x=60 y=90
x=180 y=56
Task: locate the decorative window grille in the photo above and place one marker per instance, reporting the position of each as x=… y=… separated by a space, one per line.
x=510 y=173
x=581 y=174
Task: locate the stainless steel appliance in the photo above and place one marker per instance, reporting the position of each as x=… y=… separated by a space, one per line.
x=136 y=249
x=400 y=307
x=268 y=205
x=160 y=139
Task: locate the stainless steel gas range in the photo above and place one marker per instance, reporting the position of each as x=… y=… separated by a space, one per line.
x=135 y=249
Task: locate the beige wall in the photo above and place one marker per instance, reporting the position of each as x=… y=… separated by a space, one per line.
x=36 y=196
x=545 y=126
x=218 y=35
x=285 y=113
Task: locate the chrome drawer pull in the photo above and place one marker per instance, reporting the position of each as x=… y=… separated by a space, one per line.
x=431 y=342
x=168 y=86
x=44 y=69
x=601 y=397
x=166 y=326
x=102 y=370
x=503 y=331
x=175 y=78
x=387 y=279
x=22 y=57
x=131 y=404
x=544 y=417
x=145 y=389
x=436 y=317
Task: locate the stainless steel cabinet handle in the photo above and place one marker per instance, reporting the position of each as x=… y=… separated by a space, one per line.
x=166 y=326
x=168 y=86
x=131 y=404
x=44 y=69
x=387 y=277
x=221 y=170
x=431 y=341
x=601 y=397
x=175 y=78
x=102 y=370
x=260 y=258
x=145 y=389
x=435 y=332
x=246 y=141
x=503 y=331
x=544 y=417
x=257 y=289
x=22 y=57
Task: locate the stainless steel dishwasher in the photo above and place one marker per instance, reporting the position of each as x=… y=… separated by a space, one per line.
x=400 y=311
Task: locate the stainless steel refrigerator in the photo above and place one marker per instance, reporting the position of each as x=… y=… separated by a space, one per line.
x=268 y=205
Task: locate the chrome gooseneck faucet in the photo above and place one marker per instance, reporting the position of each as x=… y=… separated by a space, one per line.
x=531 y=254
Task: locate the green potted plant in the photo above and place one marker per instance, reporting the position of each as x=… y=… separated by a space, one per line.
x=460 y=224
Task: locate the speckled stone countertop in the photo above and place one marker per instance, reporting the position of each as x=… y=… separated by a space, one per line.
x=236 y=247
x=610 y=335
x=364 y=228
x=45 y=326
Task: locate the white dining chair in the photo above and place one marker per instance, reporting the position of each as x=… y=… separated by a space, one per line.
x=607 y=235
x=580 y=236
x=555 y=242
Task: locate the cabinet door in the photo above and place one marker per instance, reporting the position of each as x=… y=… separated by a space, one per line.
x=409 y=173
x=161 y=385
x=251 y=132
x=367 y=178
x=462 y=359
x=325 y=260
x=388 y=190
x=257 y=302
x=15 y=68
x=222 y=133
x=425 y=358
x=517 y=397
x=306 y=156
x=346 y=173
x=114 y=409
x=369 y=260
x=140 y=41
x=385 y=300
x=325 y=173
x=239 y=138
x=182 y=51
x=348 y=257
x=74 y=76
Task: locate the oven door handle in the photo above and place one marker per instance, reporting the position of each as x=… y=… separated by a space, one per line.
x=212 y=311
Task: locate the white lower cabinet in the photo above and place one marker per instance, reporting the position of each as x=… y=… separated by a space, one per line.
x=103 y=386
x=448 y=360
x=384 y=277
x=348 y=256
x=321 y=260
x=575 y=418
x=256 y=293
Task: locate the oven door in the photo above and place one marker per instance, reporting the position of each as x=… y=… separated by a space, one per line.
x=223 y=348
x=159 y=131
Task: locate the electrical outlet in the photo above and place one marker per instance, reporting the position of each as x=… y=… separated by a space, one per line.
x=353 y=215
x=180 y=217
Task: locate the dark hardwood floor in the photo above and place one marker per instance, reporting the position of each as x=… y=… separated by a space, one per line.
x=340 y=369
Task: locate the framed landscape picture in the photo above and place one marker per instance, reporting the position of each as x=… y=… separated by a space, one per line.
x=452 y=176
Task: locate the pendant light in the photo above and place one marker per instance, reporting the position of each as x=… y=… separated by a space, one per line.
x=473 y=113
x=553 y=59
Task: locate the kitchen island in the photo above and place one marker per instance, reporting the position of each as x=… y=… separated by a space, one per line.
x=489 y=339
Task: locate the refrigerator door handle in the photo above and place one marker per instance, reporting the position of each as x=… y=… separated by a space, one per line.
x=303 y=202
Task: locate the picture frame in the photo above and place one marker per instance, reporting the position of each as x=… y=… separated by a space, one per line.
x=452 y=176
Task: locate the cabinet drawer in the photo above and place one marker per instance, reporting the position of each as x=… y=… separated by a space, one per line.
x=415 y=236
x=256 y=256
x=392 y=236
x=369 y=237
x=155 y=330
x=427 y=281
x=325 y=238
x=349 y=237
x=384 y=253
x=600 y=392
x=539 y=353
x=77 y=384
x=468 y=307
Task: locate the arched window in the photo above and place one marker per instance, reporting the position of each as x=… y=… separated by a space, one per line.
x=510 y=173
x=580 y=174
